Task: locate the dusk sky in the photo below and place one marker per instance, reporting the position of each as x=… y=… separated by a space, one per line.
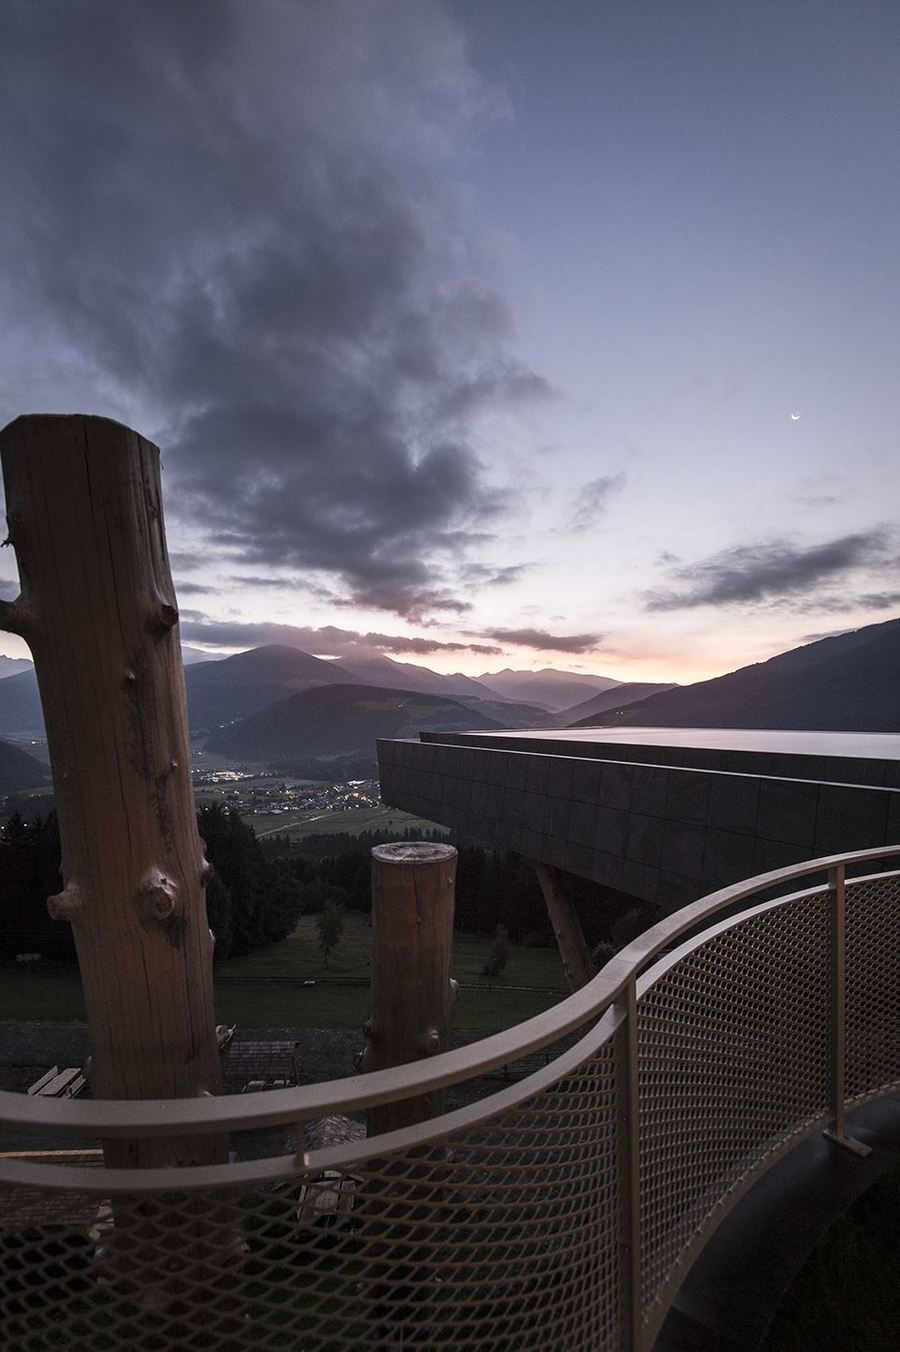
x=483 y=333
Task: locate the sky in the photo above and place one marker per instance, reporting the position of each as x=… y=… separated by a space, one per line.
x=479 y=333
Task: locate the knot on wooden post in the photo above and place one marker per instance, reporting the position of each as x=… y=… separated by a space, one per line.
x=163 y=617
x=362 y=1058
x=157 y=897
x=66 y=904
x=431 y=1042
x=15 y=617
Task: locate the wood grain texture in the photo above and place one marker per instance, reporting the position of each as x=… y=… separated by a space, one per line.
x=98 y=611
x=413 y=995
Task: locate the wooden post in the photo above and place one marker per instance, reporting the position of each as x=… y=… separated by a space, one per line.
x=98 y=611
x=573 y=947
x=413 y=892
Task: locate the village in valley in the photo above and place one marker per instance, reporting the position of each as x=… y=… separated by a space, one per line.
x=265 y=794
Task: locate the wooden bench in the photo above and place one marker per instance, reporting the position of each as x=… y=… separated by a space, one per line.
x=328 y=1199
x=56 y=1083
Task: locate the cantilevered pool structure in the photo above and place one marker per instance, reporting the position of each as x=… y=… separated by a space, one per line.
x=663 y=814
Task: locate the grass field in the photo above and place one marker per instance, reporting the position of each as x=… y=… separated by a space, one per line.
x=353 y=821
x=266 y=989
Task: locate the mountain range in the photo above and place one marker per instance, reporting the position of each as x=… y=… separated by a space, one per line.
x=19 y=771
x=627 y=693
x=277 y=701
x=556 y=690
x=13 y=666
x=240 y=686
x=844 y=683
x=373 y=669
x=336 y=720
x=223 y=690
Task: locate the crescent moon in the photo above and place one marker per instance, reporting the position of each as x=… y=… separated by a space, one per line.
x=795 y=417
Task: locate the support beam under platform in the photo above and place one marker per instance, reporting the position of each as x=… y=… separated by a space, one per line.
x=573 y=947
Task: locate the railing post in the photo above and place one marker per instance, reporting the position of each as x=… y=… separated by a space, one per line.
x=629 y=1156
x=837 y=892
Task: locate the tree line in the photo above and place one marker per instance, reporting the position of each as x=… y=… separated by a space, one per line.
x=251 y=900
x=256 y=893
x=493 y=889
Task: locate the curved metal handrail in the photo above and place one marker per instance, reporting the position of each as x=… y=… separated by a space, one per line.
x=112 y=1119
x=595 y=1003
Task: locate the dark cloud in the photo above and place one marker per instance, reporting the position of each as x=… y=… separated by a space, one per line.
x=544 y=642
x=820 y=490
x=397 y=644
x=240 y=219
x=592 y=499
x=328 y=640
x=814 y=500
x=842 y=601
x=183 y=562
x=486 y=575
x=515 y=385
x=772 y=570
x=193 y=589
x=885 y=600
x=276 y=583
x=828 y=633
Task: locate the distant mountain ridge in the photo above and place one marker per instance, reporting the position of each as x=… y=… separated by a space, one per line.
x=512 y=714
x=554 y=689
x=847 y=683
x=222 y=690
x=20 y=706
x=332 y=720
x=218 y=691
x=14 y=666
x=242 y=685
x=18 y=770
x=627 y=693
x=375 y=669
x=191 y=655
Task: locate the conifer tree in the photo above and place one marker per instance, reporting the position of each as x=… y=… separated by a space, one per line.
x=330 y=923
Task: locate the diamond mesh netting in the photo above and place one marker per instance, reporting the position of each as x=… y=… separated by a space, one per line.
x=873 y=987
x=733 y=1044
x=507 y=1228
x=503 y=1237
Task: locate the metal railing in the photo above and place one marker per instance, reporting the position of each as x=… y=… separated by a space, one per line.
x=562 y=1212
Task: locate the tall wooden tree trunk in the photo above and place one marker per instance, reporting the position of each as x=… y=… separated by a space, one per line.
x=98 y=611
